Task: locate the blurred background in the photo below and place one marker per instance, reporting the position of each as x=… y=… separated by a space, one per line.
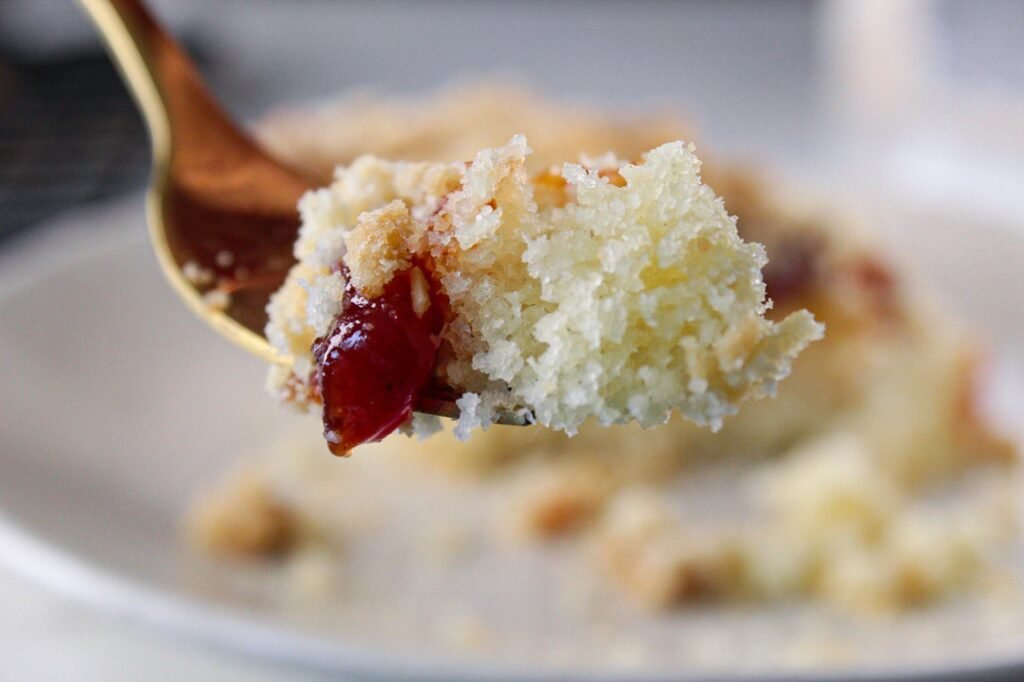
x=921 y=98
x=904 y=87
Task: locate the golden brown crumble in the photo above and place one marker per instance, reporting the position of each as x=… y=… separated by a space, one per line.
x=243 y=517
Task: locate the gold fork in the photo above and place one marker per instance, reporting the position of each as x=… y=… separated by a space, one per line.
x=222 y=213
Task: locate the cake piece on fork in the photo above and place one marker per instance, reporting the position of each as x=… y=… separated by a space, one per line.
x=602 y=290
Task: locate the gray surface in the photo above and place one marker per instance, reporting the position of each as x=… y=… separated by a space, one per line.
x=747 y=70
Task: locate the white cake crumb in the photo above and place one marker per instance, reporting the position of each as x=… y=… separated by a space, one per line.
x=197 y=274
x=471 y=415
x=224 y=258
x=422 y=425
x=323 y=300
x=218 y=299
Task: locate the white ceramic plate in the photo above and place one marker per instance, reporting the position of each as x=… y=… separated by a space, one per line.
x=115 y=405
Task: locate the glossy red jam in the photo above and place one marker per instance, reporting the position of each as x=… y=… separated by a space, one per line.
x=377 y=359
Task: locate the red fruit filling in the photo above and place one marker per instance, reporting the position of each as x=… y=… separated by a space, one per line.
x=375 y=362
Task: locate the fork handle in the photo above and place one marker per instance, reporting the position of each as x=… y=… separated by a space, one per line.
x=166 y=87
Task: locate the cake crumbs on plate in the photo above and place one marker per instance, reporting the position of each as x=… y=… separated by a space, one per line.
x=244 y=517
